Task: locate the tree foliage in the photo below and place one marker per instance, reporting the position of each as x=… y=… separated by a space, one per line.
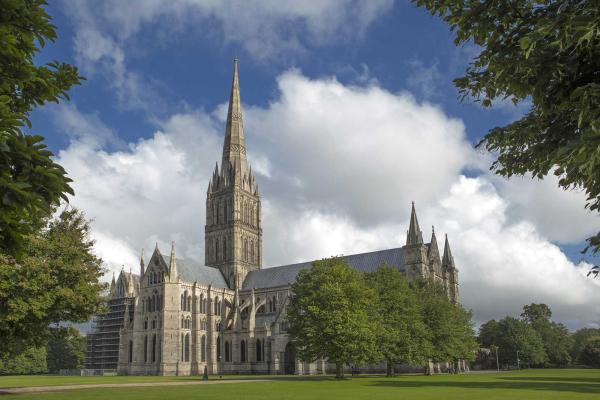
x=65 y=349
x=580 y=340
x=29 y=361
x=449 y=326
x=590 y=354
x=31 y=183
x=347 y=317
x=555 y=336
x=57 y=280
x=331 y=314
x=510 y=335
x=402 y=335
x=543 y=52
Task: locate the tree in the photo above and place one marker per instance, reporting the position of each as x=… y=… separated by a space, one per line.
x=31 y=360
x=590 y=355
x=511 y=335
x=449 y=326
x=555 y=336
x=57 y=280
x=546 y=53
x=332 y=315
x=31 y=183
x=401 y=335
x=580 y=340
x=65 y=349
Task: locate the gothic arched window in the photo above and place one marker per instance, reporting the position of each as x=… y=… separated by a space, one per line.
x=187 y=347
x=153 y=348
x=252 y=250
x=203 y=348
x=243 y=351
x=224 y=249
x=274 y=303
x=227 y=354
x=245 y=249
x=216 y=306
x=145 y=348
x=258 y=351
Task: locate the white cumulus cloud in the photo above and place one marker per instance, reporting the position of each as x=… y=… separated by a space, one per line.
x=337 y=167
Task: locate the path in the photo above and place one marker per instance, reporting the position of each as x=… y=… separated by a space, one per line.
x=37 y=389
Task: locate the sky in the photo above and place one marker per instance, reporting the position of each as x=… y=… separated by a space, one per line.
x=350 y=114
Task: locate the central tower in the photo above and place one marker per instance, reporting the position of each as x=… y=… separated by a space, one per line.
x=233 y=233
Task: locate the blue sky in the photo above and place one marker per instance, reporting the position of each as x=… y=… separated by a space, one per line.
x=319 y=80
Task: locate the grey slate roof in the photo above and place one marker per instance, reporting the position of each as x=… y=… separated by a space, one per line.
x=191 y=271
x=286 y=274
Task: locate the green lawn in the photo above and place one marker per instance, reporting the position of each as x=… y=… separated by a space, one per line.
x=531 y=384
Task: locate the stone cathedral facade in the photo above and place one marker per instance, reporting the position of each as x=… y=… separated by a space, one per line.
x=180 y=317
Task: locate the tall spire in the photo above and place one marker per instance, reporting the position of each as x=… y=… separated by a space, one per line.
x=173 y=264
x=434 y=252
x=142 y=264
x=447 y=259
x=112 y=285
x=234 y=148
x=415 y=235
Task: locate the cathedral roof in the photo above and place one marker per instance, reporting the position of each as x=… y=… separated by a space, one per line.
x=191 y=271
x=286 y=274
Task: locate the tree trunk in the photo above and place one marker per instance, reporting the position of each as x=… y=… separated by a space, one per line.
x=390 y=368
x=339 y=370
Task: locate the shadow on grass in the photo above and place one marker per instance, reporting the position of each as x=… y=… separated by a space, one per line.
x=546 y=384
x=594 y=381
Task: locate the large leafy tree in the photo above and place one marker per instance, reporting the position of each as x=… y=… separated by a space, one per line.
x=31 y=183
x=402 y=334
x=511 y=335
x=555 y=336
x=332 y=316
x=449 y=326
x=56 y=280
x=548 y=53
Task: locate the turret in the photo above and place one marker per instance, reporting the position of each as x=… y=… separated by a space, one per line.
x=416 y=259
x=113 y=286
x=414 y=235
x=433 y=255
x=172 y=265
x=450 y=272
x=142 y=264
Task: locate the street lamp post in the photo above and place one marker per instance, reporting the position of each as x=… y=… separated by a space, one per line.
x=497 y=362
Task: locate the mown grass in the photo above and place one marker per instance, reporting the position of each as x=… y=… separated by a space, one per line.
x=529 y=384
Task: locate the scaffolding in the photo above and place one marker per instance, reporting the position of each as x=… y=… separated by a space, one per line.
x=102 y=352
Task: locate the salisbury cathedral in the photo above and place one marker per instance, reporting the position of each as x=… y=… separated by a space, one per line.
x=179 y=317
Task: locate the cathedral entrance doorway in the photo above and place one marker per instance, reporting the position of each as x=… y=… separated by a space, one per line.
x=289 y=359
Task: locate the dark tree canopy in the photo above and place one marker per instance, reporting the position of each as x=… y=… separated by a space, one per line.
x=31 y=183
x=548 y=53
x=65 y=349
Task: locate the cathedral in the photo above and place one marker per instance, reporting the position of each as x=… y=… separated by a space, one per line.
x=228 y=316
